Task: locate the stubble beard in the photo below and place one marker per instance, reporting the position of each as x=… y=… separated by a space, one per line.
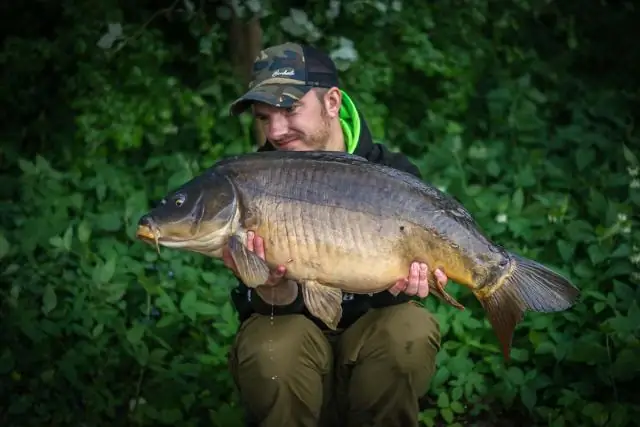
x=321 y=139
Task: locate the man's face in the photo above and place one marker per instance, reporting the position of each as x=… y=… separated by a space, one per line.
x=304 y=127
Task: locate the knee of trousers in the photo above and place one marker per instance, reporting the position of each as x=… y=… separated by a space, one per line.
x=409 y=338
x=283 y=349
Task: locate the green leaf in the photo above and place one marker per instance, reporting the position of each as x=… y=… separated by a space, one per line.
x=443 y=400
x=209 y=278
x=456 y=393
x=517 y=200
x=515 y=375
x=528 y=396
x=205 y=309
x=580 y=231
x=584 y=158
x=457 y=407
x=546 y=347
x=622 y=251
x=135 y=334
x=4 y=246
x=164 y=302
x=626 y=366
x=104 y=272
x=566 y=249
x=27 y=167
x=519 y=355
x=67 y=238
x=493 y=168
x=188 y=304
x=447 y=415
x=49 y=299
x=597 y=412
x=115 y=292
x=597 y=203
x=629 y=156
x=634 y=313
x=597 y=254
x=84 y=232
x=97 y=330
x=623 y=291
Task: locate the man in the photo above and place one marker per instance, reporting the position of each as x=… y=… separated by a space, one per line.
x=290 y=370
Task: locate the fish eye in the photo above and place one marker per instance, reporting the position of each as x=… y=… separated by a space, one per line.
x=179 y=201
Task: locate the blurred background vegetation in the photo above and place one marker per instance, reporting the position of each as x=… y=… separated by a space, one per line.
x=524 y=110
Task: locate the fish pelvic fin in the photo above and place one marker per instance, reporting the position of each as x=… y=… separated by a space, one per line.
x=323 y=302
x=529 y=286
x=252 y=269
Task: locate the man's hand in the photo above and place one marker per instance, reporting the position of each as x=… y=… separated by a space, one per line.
x=255 y=244
x=276 y=290
x=417 y=283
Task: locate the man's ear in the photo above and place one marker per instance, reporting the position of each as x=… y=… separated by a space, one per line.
x=333 y=102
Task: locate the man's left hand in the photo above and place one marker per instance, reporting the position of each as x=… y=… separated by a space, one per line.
x=417 y=283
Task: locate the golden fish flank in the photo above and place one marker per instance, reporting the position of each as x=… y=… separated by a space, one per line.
x=341 y=223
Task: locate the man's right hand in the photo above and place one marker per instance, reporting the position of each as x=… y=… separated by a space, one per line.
x=255 y=244
x=282 y=291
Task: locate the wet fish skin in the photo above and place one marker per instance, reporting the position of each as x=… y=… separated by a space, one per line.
x=341 y=223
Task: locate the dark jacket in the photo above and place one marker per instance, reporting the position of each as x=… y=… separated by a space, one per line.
x=353 y=306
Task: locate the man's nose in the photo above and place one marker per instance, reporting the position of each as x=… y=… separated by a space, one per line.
x=277 y=128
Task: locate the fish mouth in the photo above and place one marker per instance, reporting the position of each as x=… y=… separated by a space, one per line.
x=145 y=232
x=149 y=234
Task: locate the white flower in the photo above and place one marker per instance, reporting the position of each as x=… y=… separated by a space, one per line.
x=501 y=218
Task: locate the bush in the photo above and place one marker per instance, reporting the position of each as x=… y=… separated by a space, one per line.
x=495 y=106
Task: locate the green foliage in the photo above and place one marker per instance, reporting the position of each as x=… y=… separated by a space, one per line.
x=108 y=108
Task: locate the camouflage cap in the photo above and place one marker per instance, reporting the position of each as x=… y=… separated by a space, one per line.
x=284 y=73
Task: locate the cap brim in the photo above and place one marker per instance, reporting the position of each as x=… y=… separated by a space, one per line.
x=277 y=95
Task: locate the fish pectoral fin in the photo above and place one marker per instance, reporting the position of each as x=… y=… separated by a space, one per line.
x=323 y=302
x=252 y=269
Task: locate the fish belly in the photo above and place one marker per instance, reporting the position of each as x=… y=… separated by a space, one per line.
x=352 y=250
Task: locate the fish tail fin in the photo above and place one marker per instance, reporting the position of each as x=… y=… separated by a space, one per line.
x=529 y=286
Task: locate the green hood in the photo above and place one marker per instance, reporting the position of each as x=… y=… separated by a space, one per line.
x=350 y=122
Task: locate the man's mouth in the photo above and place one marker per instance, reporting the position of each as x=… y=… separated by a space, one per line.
x=287 y=142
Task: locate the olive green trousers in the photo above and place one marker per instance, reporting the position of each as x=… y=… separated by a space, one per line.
x=291 y=374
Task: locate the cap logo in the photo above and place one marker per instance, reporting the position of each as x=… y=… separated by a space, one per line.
x=283 y=72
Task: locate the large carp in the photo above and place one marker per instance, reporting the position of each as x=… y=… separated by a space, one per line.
x=341 y=223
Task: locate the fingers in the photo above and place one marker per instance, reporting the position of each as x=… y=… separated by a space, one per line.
x=255 y=244
x=250 y=243
x=400 y=286
x=276 y=275
x=423 y=280
x=413 y=280
x=417 y=283
x=227 y=259
x=258 y=244
x=441 y=277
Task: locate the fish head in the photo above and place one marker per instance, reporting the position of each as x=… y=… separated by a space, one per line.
x=199 y=216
